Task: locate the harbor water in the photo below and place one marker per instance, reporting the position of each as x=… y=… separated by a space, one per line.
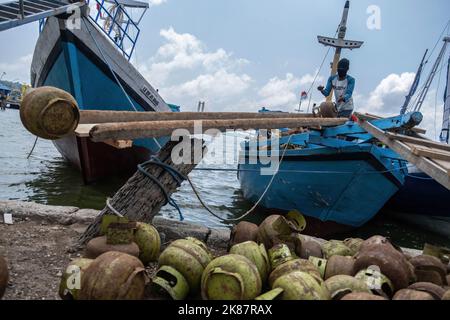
x=45 y=177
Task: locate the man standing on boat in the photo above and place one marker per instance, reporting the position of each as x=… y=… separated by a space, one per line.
x=343 y=86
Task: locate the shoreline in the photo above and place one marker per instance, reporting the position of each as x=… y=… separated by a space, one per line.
x=216 y=238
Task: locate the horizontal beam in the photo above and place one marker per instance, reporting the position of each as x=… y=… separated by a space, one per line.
x=154 y=129
x=419 y=141
x=94 y=116
x=433 y=169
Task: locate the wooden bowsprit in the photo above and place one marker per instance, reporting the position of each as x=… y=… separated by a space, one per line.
x=433 y=158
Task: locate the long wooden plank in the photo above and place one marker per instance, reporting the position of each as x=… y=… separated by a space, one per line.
x=430 y=167
x=430 y=153
x=95 y=116
x=419 y=141
x=154 y=129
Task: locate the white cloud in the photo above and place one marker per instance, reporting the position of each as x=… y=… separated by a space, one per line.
x=218 y=85
x=156 y=2
x=388 y=97
x=18 y=69
x=285 y=92
x=185 y=71
x=184 y=52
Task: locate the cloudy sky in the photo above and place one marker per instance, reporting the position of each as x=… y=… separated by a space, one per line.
x=245 y=54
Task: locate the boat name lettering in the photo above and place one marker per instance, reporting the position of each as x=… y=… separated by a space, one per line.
x=146 y=91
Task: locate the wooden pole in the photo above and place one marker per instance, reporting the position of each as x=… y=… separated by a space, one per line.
x=95 y=116
x=434 y=169
x=140 y=199
x=149 y=129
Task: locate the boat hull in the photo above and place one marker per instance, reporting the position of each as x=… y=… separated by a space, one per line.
x=342 y=189
x=421 y=195
x=84 y=63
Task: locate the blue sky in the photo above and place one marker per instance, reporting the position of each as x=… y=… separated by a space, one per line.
x=242 y=54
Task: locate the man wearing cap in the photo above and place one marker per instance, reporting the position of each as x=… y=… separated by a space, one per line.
x=343 y=86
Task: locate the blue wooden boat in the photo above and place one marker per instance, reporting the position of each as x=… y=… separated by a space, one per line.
x=91 y=61
x=335 y=176
x=422 y=201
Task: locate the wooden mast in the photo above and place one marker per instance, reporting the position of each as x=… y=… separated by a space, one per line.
x=339 y=43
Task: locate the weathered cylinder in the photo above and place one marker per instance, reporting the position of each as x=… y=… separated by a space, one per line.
x=409 y=294
x=49 y=113
x=149 y=242
x=189 y=257
x=242 y=232
x=70 y=284
x=292 y=266
x=277 y=229
x=168 y=281
x=99 y=246
x=4 y=276
x=113 y=276
x=364 y=296
x=339 y=265
x=335 y=247
x=256 y=254
x=341 y=285
x=231 y=277
x=299 y=285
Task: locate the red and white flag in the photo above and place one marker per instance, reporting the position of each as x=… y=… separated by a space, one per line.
x=303 y=95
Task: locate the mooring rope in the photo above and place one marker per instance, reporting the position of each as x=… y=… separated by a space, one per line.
x=174 y=173
x=32 y=149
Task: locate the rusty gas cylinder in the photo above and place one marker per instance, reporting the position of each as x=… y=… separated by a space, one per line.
x=49 y=113
x=242 y=232
x=99 y=246
x=4 y=276
x=189 y=257
x=70 y=284
x=113 y=276
x=231 y=277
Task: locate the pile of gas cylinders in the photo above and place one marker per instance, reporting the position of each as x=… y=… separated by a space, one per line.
x=266 y=262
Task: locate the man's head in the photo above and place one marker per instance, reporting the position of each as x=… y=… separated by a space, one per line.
x=343 y=67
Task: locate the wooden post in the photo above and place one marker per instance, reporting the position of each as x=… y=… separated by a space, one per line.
x=140 y=199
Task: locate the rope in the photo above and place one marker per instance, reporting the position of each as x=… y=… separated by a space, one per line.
x=173 y=172
x=426 y=62
x=32 y=149
x=318 y=72
x=315 y=78
x=110 y=207
x=306 y=171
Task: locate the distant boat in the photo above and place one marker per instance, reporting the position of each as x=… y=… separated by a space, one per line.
x=423 y=201
x=91 y=61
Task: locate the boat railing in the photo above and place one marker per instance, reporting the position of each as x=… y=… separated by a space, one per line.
x=117 y=24
x=113 y=19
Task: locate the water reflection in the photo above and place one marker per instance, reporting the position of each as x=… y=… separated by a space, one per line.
x=46 y=178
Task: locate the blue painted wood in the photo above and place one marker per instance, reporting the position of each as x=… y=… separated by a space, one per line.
x=345 y=180
x=384 y=124
x=349 y=192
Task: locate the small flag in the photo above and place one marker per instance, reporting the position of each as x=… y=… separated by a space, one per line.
x=303 y=95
